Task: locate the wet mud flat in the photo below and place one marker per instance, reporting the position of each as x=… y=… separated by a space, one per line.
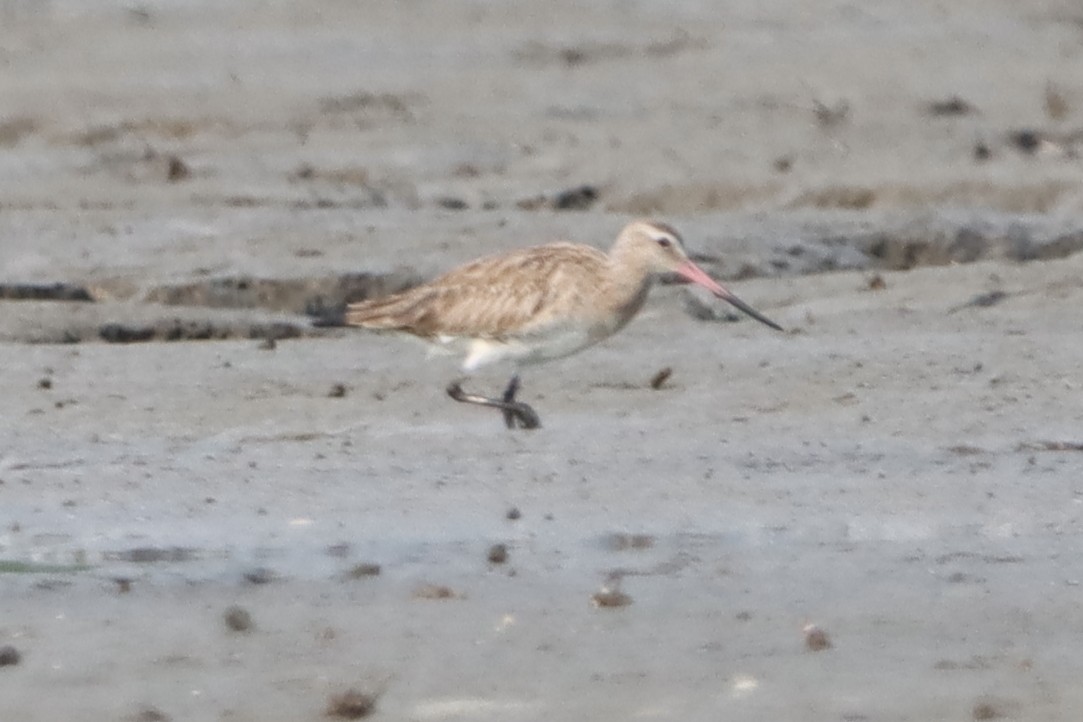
x=247 y=539
x=213 y=507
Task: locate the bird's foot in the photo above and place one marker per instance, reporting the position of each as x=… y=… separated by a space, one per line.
x=516 y=413
x=522 y=414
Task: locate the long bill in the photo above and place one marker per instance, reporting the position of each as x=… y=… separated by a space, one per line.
x=697 y=275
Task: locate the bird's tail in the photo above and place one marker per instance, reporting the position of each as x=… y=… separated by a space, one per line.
x=389 y=312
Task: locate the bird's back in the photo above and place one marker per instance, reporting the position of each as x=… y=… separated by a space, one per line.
x=506 y=296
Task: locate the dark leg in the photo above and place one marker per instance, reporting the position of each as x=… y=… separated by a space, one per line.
x=509 y=398
x=515 y=412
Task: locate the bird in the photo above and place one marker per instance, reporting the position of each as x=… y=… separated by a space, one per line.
x=536 y=304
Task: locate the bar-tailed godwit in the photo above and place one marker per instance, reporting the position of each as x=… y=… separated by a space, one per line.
x=537 y=304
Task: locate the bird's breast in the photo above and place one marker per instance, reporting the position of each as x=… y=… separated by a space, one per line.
x=625 y=306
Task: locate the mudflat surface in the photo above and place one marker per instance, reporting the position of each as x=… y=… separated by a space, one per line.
x=210 y=509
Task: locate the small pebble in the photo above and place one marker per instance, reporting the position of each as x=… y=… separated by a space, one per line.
x=151 y=714
x=178 y=170
x=661 y=377
x=9 y=655
x=498 y=553
x=1026 y=140
x=829 y=116
x=365 y=569
x=783 y=164
x=259 y=575
x=950 y=106
x=337 y=391
x=452 y=204
x=339 y=551
x=609 y=598
x=986 y=710
x=434 y=591
x=816 y=639
x=238 y=619
x=351 y=705
x=513 y=514
x=1056 y=105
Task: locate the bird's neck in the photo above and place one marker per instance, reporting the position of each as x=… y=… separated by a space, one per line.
x=626 y=285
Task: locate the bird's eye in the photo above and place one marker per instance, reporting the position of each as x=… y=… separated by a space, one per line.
x=664 y=242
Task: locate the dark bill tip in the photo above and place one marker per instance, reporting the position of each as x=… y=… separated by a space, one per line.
x=742 y=306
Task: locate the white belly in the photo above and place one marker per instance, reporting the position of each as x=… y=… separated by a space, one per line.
x=483 y=352
x=549 y=342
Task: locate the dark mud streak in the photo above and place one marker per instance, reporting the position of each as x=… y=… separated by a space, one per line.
x=968 y=245
x=324 y=299
x=177 y=330
x=44 y=292
x=311 y=296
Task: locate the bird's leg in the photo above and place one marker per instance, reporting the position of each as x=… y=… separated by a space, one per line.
x=509 y=398
x=517 y=410
x=514 y=411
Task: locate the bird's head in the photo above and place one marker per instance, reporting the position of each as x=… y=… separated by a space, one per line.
x=658 y=249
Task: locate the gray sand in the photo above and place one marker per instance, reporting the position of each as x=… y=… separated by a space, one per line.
x=901 y=469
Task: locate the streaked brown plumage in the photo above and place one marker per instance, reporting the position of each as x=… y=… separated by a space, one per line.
x=538 y=303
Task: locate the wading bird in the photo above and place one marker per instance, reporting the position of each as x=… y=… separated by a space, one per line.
x=537 y=304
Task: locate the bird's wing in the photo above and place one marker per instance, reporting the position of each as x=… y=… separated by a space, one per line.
x=496 y=297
